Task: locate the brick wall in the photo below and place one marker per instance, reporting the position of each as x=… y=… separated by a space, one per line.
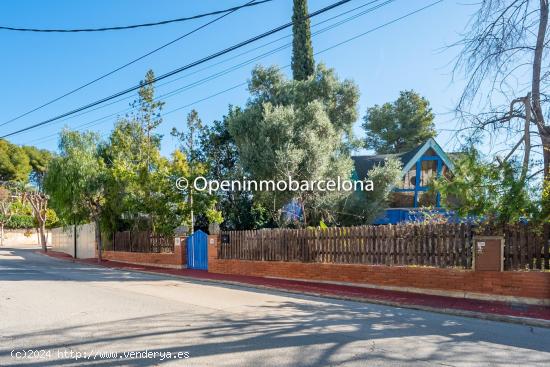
x=529 y=287
x=177 y=259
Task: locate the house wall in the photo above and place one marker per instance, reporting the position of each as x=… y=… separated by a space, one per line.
x=429 y=170
x=523 y=287
x=405 y=199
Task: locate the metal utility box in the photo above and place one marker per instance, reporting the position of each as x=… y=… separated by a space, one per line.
x=488 y=254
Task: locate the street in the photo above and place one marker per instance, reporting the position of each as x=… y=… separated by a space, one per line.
x=57 y=313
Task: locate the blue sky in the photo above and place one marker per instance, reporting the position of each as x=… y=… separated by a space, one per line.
x=37 y=67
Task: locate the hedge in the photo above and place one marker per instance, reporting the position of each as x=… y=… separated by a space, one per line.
x=20 y=222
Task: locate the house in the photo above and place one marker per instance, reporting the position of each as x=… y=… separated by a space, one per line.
x=420 y=165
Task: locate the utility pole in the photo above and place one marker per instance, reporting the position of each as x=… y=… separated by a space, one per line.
x=192 y=162
x=74 y=222
x=74 y=234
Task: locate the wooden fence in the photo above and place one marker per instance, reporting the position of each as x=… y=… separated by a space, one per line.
x=526 y=247
x=142 y=241
x=439 y=245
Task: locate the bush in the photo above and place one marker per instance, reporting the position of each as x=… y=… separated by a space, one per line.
x=20 y=221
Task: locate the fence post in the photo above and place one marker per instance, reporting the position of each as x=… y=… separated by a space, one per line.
x=262 y=245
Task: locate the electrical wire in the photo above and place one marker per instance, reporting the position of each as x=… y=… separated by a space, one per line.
x=238 y=66
x=286 y=66
x=176 y=71
x=241 y=54
x=133 y=26
x=101 y=77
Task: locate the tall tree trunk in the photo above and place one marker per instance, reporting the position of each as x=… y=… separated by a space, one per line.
x=303 y=211
x=526 y=138
x=544 y=130
x=545 y=137
x=43 y=240
x=2 y=234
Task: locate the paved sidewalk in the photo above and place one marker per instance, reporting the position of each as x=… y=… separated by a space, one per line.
x=491 y=310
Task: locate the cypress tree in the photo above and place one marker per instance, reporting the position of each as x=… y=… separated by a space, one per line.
x=303 y=64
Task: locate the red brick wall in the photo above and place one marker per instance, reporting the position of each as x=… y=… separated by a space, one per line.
x=515 y=284
x=176 y=259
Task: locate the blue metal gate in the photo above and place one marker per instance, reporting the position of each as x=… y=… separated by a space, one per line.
x=197 y=251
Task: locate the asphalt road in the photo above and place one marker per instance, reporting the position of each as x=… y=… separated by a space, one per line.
x=56 y=313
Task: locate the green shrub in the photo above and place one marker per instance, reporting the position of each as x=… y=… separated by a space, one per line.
x=20 y=221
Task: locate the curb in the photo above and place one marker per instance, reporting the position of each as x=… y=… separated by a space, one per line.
x=528 y=321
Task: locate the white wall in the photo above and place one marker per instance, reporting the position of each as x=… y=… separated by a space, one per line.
x=24 y=238
x=63 y=240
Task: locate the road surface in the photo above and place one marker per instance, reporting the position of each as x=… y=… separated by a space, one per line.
x=56 y=313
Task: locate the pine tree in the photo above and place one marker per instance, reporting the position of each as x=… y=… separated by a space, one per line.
x=302 y=52
x=399 y=126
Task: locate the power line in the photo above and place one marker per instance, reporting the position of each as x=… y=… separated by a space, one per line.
x=275 y=50
x=383 y=25
x=133 y=26
x=91 y=123
x=178 y=90
x=322 y=51
x=237 y=66
x=176 y=71
x=251 y=2
x=279 y=39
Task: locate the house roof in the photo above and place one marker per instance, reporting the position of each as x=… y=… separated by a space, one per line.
x=364 y=163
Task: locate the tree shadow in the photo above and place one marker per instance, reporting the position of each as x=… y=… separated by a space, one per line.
x=25 y=265
x=292 y=330
x=303 y=331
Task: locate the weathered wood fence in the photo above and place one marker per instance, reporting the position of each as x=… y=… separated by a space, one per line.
x=140 y=241
x=439 y=245
x=526 y=247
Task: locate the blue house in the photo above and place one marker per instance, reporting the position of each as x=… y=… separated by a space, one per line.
x=420 y=166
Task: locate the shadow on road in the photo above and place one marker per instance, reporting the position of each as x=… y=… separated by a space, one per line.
x=327 y=332
x=26 y=264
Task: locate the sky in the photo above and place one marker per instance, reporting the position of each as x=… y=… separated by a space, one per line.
x=412 y=53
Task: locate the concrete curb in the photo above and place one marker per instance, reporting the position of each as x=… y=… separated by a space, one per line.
x=447 y=311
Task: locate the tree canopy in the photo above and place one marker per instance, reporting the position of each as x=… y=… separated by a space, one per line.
x=366 y=206
x=298 y=129
x=22 y=164
x=489 y=191
x=399 y=126
x=14 y=163
x=75 y=178
x=190 y=155
x=123 y=183
x=220 y=153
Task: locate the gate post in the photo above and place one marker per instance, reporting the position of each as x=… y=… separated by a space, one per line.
x=180 y=245
x=180 y=250
x=213 y=245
